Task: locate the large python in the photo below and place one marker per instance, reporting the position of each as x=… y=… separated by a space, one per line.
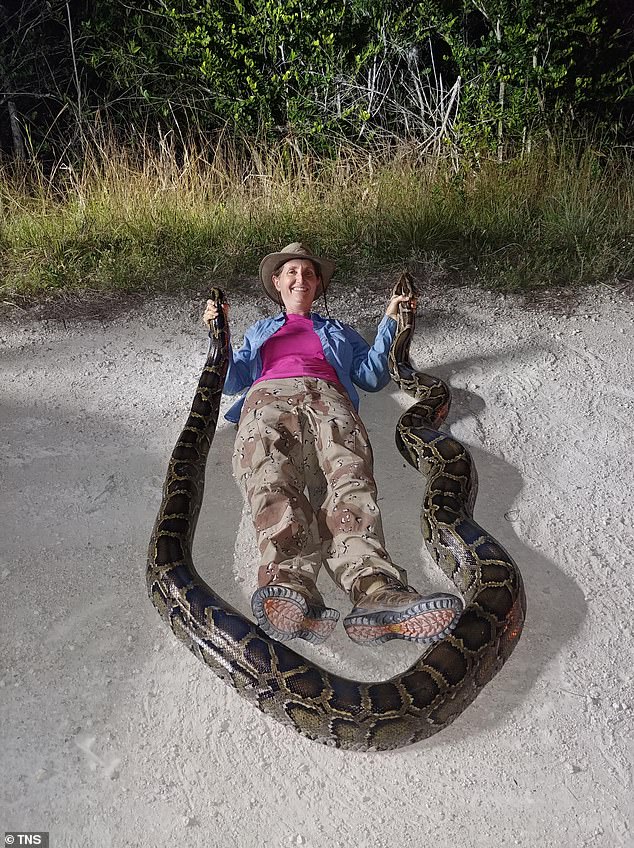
x=286 y=686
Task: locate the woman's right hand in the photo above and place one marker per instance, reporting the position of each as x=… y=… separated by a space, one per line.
x=211 y=312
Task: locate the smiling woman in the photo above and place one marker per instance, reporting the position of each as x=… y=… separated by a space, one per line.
x=304 y=461
x=297 y=283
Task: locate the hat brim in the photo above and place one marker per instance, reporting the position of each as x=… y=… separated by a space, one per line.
x=273 y=261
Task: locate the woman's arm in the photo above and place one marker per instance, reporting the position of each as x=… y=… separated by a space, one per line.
x=239 y=371
x=369 y=363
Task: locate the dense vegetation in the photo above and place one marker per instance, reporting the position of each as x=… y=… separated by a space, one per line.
x=490 y=73
x=148 y=144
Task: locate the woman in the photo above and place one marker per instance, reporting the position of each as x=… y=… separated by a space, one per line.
x=297 y=423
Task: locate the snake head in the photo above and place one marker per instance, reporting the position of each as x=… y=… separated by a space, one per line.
x=219 y=324
x=405 y=286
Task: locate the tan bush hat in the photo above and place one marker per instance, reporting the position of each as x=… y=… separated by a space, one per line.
x=296 y=250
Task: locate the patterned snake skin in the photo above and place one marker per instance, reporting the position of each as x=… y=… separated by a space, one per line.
x=320 y=705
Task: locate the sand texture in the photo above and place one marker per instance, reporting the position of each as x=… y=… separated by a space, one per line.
x=112 y=734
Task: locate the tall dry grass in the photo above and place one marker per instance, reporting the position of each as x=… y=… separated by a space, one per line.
x=155 y=219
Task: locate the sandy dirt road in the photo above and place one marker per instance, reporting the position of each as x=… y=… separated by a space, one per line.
x=113 y=735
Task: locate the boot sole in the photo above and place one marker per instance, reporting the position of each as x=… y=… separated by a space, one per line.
x=424 y=622
x=284 y=614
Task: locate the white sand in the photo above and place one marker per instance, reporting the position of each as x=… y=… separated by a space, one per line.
x=114 y=735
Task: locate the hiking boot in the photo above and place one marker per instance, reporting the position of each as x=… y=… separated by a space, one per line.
x=386 y=609
x=290 y=607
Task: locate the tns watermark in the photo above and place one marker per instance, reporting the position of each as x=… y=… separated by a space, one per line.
x=26 y=837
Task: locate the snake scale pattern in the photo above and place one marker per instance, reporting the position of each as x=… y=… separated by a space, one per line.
x=289 y=688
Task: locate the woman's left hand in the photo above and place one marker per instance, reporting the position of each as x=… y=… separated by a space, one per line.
x=392 y=307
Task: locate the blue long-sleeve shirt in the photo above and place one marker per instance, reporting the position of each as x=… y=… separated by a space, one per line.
x=354 y=360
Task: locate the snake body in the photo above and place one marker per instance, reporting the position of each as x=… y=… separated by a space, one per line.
x=322 y=706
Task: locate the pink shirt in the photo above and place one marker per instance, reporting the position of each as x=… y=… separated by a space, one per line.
x=295 y=351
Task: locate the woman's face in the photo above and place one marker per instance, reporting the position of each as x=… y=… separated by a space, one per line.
x=297 y=282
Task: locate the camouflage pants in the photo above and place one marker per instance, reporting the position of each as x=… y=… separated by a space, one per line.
x=304 y=461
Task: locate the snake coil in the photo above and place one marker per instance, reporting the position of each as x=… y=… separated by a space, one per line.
x=322 y=706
